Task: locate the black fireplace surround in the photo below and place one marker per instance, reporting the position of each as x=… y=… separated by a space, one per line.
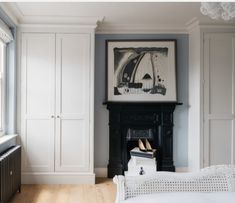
x=129 y=121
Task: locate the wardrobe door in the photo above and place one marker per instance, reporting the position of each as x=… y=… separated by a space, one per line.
x=38 y=101
x=219 y=99
x=72 y=102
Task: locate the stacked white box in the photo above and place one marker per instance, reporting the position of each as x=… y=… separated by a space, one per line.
x=148 y=165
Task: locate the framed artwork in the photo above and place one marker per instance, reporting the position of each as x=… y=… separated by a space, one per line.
x=141 y=70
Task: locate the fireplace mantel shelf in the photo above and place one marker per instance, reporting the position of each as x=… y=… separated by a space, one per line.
x=139 y=102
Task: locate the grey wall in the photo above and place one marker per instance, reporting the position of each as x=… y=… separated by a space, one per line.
x=181 y=112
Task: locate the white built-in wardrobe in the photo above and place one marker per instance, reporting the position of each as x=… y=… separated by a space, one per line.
x=211 y=96
x=56 y=105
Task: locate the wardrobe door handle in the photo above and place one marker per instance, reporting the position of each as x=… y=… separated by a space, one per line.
x=58 y=116
x=52 y=116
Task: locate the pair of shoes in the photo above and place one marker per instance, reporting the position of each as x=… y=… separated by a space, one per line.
x=145 y=148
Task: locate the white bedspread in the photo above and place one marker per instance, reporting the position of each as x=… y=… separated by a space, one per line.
x=185 y=197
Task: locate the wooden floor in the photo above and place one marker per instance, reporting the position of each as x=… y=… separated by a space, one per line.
x=104 y=191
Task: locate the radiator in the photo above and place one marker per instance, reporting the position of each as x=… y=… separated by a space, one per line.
x=10 y=173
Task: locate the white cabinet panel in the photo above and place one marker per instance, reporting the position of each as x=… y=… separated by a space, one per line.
x=39 y=69
x=72 y=72
x=39 y=145
x=221 y=76
x=219 y=98
x=38 y=101
x=220 y=142
x=73 y=146
x=72 y=102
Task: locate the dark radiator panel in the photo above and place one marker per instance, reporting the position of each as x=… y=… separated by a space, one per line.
x=10 y=173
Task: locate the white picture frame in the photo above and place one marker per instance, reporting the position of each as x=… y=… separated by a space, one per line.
x=141 y=70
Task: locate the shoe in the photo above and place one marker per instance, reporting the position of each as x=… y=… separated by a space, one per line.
x=141 y=146
x=148 y=146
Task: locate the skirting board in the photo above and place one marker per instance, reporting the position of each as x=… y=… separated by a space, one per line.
x=58 y=178
x=102 y=172
x=181 y=169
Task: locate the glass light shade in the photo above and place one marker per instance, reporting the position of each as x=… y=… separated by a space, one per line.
x=217 y=10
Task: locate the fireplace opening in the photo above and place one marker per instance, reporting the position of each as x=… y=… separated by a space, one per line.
x=135 y=134
x=132 y=137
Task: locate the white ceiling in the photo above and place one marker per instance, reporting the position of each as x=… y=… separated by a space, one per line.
x=156 y=15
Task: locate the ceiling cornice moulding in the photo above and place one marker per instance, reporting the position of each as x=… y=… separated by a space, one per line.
x=104 y=28
x=195 y=23
x=19 y=19
x=61 y=20
x=11 y=14
x=191 y=24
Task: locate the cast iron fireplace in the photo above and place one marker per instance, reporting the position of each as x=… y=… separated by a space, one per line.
x=130 y=121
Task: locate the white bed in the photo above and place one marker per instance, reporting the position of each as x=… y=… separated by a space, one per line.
x=213 y=184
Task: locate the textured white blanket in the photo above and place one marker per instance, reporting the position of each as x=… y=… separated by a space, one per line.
x=185 y=197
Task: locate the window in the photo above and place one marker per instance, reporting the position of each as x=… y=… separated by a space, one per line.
x=6 y=38
x=2 y=85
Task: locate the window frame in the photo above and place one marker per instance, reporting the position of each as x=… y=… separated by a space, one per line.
x=3 y=96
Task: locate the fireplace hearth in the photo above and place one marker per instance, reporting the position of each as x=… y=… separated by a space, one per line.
x=128 y=122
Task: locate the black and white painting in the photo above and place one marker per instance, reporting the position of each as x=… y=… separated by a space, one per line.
x=141 y=70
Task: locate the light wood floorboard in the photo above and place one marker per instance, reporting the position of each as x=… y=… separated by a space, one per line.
x=104 y=191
